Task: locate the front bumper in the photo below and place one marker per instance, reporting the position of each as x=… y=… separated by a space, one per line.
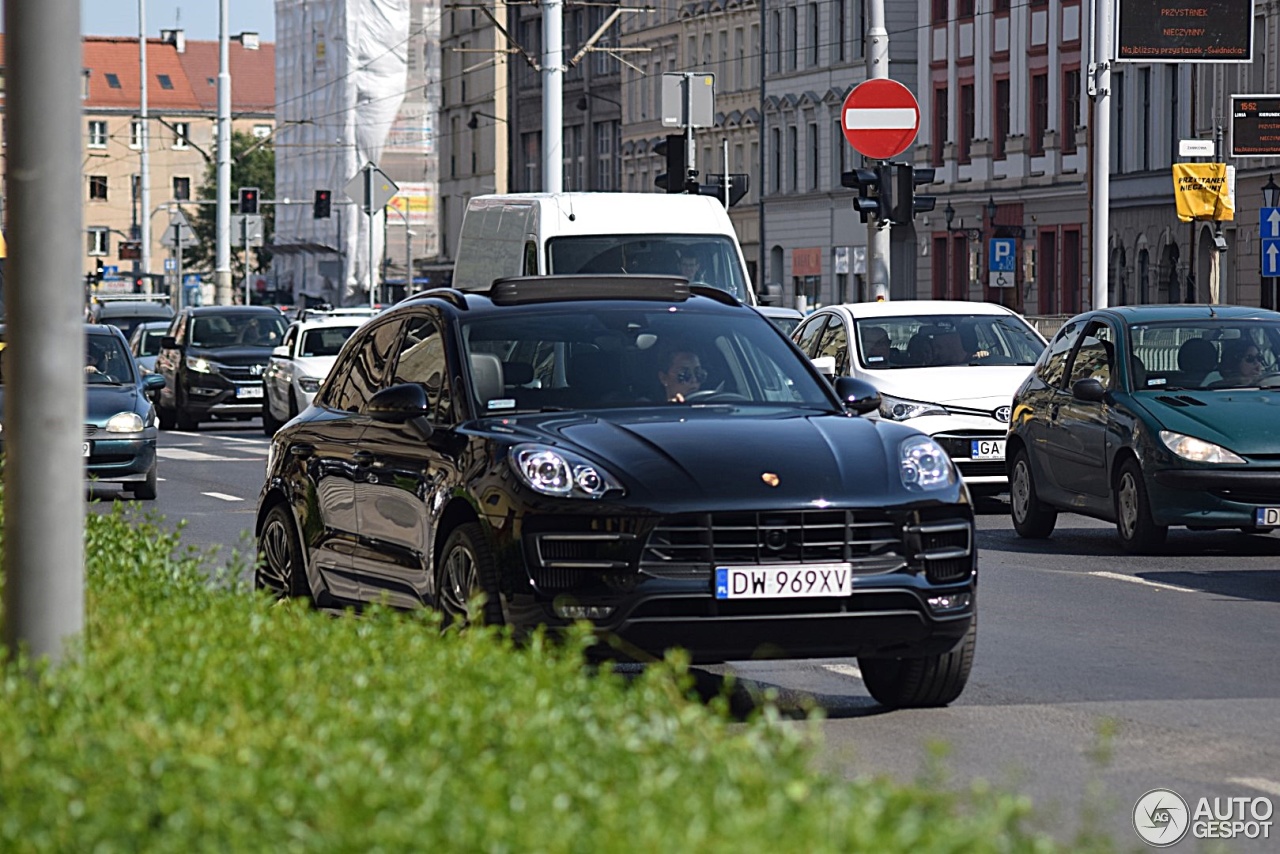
x=118 y=457
x=1212 y=497
x=956 y=434
x=212 y=394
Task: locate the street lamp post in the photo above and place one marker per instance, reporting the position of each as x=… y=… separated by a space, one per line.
x=973 y=235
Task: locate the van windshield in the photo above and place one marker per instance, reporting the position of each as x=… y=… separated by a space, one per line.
x=702 y=259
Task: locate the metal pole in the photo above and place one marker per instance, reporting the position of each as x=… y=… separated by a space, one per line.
x=144 y=179
x=552 y=95
x=725 y=143
x=222 y=264
x=177 y=241
x=42 y=605
x=1215 y=260
x=244 y=237
x=368 y=209
x=690 y=149
x=878 y=243
x=1101 y=167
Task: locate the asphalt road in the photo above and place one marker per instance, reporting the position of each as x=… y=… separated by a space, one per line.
x=1098 y=676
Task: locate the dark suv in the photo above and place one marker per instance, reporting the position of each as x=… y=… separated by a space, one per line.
x=212 y=361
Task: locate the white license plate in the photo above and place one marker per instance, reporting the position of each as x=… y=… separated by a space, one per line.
x=251 y=391
x=88 y=448
x=986 y=449
x=1267 y=517
x=784 y=581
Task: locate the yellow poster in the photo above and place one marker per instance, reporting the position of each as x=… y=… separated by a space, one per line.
x=1201 y=191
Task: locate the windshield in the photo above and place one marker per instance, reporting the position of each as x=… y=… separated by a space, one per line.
x=325 y=341
x=237 y=330
x=934 y=340
x=1205 y=353
x=594 y=355
x=148 y=340
x=107 y=361
x=702 y=259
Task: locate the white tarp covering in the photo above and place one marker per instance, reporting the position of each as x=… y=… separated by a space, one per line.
x=341 y=73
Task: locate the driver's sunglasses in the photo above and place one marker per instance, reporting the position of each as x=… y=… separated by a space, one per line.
x=690 y=374
x=1253 y=359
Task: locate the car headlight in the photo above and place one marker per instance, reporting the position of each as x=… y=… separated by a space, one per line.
x=309 y=384
x=924 y=465
x=125 y=422
x=1197 y=450
x=201 y=365
x=564 y=474
x=898 y=409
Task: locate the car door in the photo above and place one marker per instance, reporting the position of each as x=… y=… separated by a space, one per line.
x=1079 y=437
x=1036 y=408
x=278 y=377
x=404 y=475
x=327 y=449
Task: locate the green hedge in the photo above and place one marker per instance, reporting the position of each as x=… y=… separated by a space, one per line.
x=202 y=717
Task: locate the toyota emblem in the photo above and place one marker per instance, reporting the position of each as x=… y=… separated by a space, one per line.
x=1002 y=414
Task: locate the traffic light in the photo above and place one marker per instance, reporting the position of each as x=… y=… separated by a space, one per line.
x=875 y=191
x=248 y=200
x=739 y=184
x=672 y=148
x=320 y=210
x=908 y=203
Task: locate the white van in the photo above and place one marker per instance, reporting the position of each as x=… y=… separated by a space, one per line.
x=526 y=234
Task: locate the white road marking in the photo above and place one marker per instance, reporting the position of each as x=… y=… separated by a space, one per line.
x=222 y=496
x=187 y=456
x=1271 y=787
x=264 y=440
x=1115 y=576
x=181 y=433
x=844 y=670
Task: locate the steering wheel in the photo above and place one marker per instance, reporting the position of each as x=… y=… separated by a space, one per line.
x=710 y=394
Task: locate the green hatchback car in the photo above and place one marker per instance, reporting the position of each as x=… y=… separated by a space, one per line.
x=1151 y=416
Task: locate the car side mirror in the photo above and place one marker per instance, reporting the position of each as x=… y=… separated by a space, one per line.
x=281 y=352
x=153 y=382
x=168 y=342
x=826 y=365
x=857 y=396
x=1089 y=389
x=400 y=404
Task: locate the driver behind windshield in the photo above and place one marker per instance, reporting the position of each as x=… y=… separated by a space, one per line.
x=681 y=375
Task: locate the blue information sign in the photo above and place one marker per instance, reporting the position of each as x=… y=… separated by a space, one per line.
x=1001 y=254
x=1270 y=256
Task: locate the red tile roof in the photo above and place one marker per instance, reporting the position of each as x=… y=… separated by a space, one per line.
x=253 y=75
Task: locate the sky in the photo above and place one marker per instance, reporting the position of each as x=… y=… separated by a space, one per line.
x=199 y=18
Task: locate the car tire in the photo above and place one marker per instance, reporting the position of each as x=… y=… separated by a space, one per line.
x=918 y=683
x=270 y=424
x=166 y=418
x=187 y=421
x=145 y=490
x=294 y=406
x=1139 y=534
x=1032 y=518
x=281 y=568
x=467 y=567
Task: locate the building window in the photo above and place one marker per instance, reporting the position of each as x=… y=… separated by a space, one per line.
x=261 y=131
x=967 y=126
x=777 y=160
x=182 y=189
x=815 y=149
x=777 y=41
x=1001 y=117
x=964 y=8
x=842 y=29
x=1117 y=125
x=815 y=35
x=113 y=81
x=938 y=11
x=182 y=134
x=572 y=160
x=97 y=134
x=739 y=62
x=455 y=140
x=1144 y=132
x=607 y=142
x=531 y=145
x=1039 y=111
x=793 y=35
x=1001 y=6
x=99 y=240
x=165 y=81
x=135 y=134
x=793 y=172
x=1070 y=109
x=98 y=188
x=940 y=119
x=839 y=152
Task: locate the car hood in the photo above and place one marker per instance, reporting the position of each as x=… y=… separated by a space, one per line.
x=232 y=355
x=697 y=455
x=314 y=366
x=1246 y=421
x=978 y=386
x=103 y=401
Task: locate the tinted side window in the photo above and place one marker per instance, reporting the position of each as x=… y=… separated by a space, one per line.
x=358 y=376
x=806 y=337
x=422 y=359
x=1095 y=356
x=835 y=342
x=1052 y=369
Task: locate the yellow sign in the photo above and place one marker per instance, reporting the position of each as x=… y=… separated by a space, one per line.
x=1202 y=191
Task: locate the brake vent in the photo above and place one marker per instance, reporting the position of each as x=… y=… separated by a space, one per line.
x=1181 y=400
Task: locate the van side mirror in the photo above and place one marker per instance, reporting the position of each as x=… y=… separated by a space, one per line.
x=858 y=396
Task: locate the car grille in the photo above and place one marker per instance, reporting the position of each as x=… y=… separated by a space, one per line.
x=242 y=373
x=691 y=546
x=561 y=558
x=981 y=468
x=944 y=546
x=91 y=429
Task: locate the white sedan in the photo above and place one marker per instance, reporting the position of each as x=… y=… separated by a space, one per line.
x=949 y=368
x=300 y=364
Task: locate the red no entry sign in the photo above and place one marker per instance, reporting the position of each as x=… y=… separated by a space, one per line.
x=881 y=118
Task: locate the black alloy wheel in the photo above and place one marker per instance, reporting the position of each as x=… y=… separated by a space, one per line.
x=467 y=569
x=1032 y=518
x=1139 y=534
x=281 y=568
x=918 y=683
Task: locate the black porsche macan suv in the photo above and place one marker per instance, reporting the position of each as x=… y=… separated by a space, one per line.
x=657 y=460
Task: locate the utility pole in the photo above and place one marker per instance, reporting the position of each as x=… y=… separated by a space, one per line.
x=42 y=607
x=144 y=179
x=552 y=95
x=1100 y=89
x=1219 y=241
x=878 y=237
x=222 y=261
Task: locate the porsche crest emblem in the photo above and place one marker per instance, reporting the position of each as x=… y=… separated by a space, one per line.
x=770 y=478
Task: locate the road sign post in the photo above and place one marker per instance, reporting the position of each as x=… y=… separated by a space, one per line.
x=372 y=189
